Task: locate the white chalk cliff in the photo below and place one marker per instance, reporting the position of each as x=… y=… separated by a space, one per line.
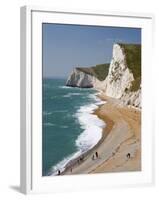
x=118 y=82
x=119 y=76
x=120 y=79
x=78 y=78
x=81 y=79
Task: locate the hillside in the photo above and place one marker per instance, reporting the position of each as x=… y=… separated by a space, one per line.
x=133 y=62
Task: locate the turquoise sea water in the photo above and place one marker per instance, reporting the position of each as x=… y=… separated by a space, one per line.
x=69 y=128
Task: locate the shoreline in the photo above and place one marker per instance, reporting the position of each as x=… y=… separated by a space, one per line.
x=108 y=126
x=132 y=144
x=74 y=161
x=120 y=136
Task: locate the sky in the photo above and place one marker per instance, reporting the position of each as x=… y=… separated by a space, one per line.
x=68 y=46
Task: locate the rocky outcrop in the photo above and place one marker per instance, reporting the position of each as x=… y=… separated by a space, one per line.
x=78 y=78
x=81 y=79
x=132 y=98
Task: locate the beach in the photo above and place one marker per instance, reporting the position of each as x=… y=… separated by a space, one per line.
x=70 y=129
x=120 y=147
x=91 y=105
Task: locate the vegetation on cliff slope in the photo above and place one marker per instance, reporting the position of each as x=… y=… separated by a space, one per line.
x=133 y=61
x=99 y=71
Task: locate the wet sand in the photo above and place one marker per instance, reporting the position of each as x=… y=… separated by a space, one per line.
x=122 y=135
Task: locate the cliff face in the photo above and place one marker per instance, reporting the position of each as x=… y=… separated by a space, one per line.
x=88 y=77
x=123 y=79
x=120 y=79
x=78 y=78
x=132 y=98
x=119 y=76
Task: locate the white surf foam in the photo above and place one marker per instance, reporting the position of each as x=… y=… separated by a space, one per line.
x=72 y=94
x=86 y=109
x=100 y=103
x=65 y=87
x=91 y=135
x=63 y=126
x=61 y=165
x=47 y=113
x=92 y=126
x=49 y=124
x=97 y=99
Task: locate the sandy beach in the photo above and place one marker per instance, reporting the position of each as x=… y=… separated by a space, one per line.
x=121 y=136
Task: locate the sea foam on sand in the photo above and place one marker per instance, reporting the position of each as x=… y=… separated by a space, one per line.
x=92 y=126
x=91 y=135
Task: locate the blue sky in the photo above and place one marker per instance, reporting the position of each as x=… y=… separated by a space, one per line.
x=69 y=46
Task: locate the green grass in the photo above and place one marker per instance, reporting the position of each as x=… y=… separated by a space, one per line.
x=135 y=84
x=99 y=71
x=133 y=61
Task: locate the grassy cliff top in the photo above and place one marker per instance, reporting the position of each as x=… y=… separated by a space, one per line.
x=133 y=61
x=99 y=71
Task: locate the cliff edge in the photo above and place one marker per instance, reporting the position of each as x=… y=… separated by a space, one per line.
x=121 y=79
x=124 y=78
x=87 y=77
x=79 y=78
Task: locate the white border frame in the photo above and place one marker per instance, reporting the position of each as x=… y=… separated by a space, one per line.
x=31 y=19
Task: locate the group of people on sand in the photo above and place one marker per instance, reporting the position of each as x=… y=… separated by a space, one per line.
x=81 y=159
x=95 y=156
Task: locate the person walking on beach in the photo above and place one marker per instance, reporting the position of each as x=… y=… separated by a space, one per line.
x=128 y=155
x=82 y=158
x=97 y=154
x=59 y=172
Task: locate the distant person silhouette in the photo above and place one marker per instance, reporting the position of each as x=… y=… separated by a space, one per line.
x=82 y=158
x=97 y=154
x=59 y=172
x=128 y=155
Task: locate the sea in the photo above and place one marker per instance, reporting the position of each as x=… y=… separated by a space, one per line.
x=69 y=127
